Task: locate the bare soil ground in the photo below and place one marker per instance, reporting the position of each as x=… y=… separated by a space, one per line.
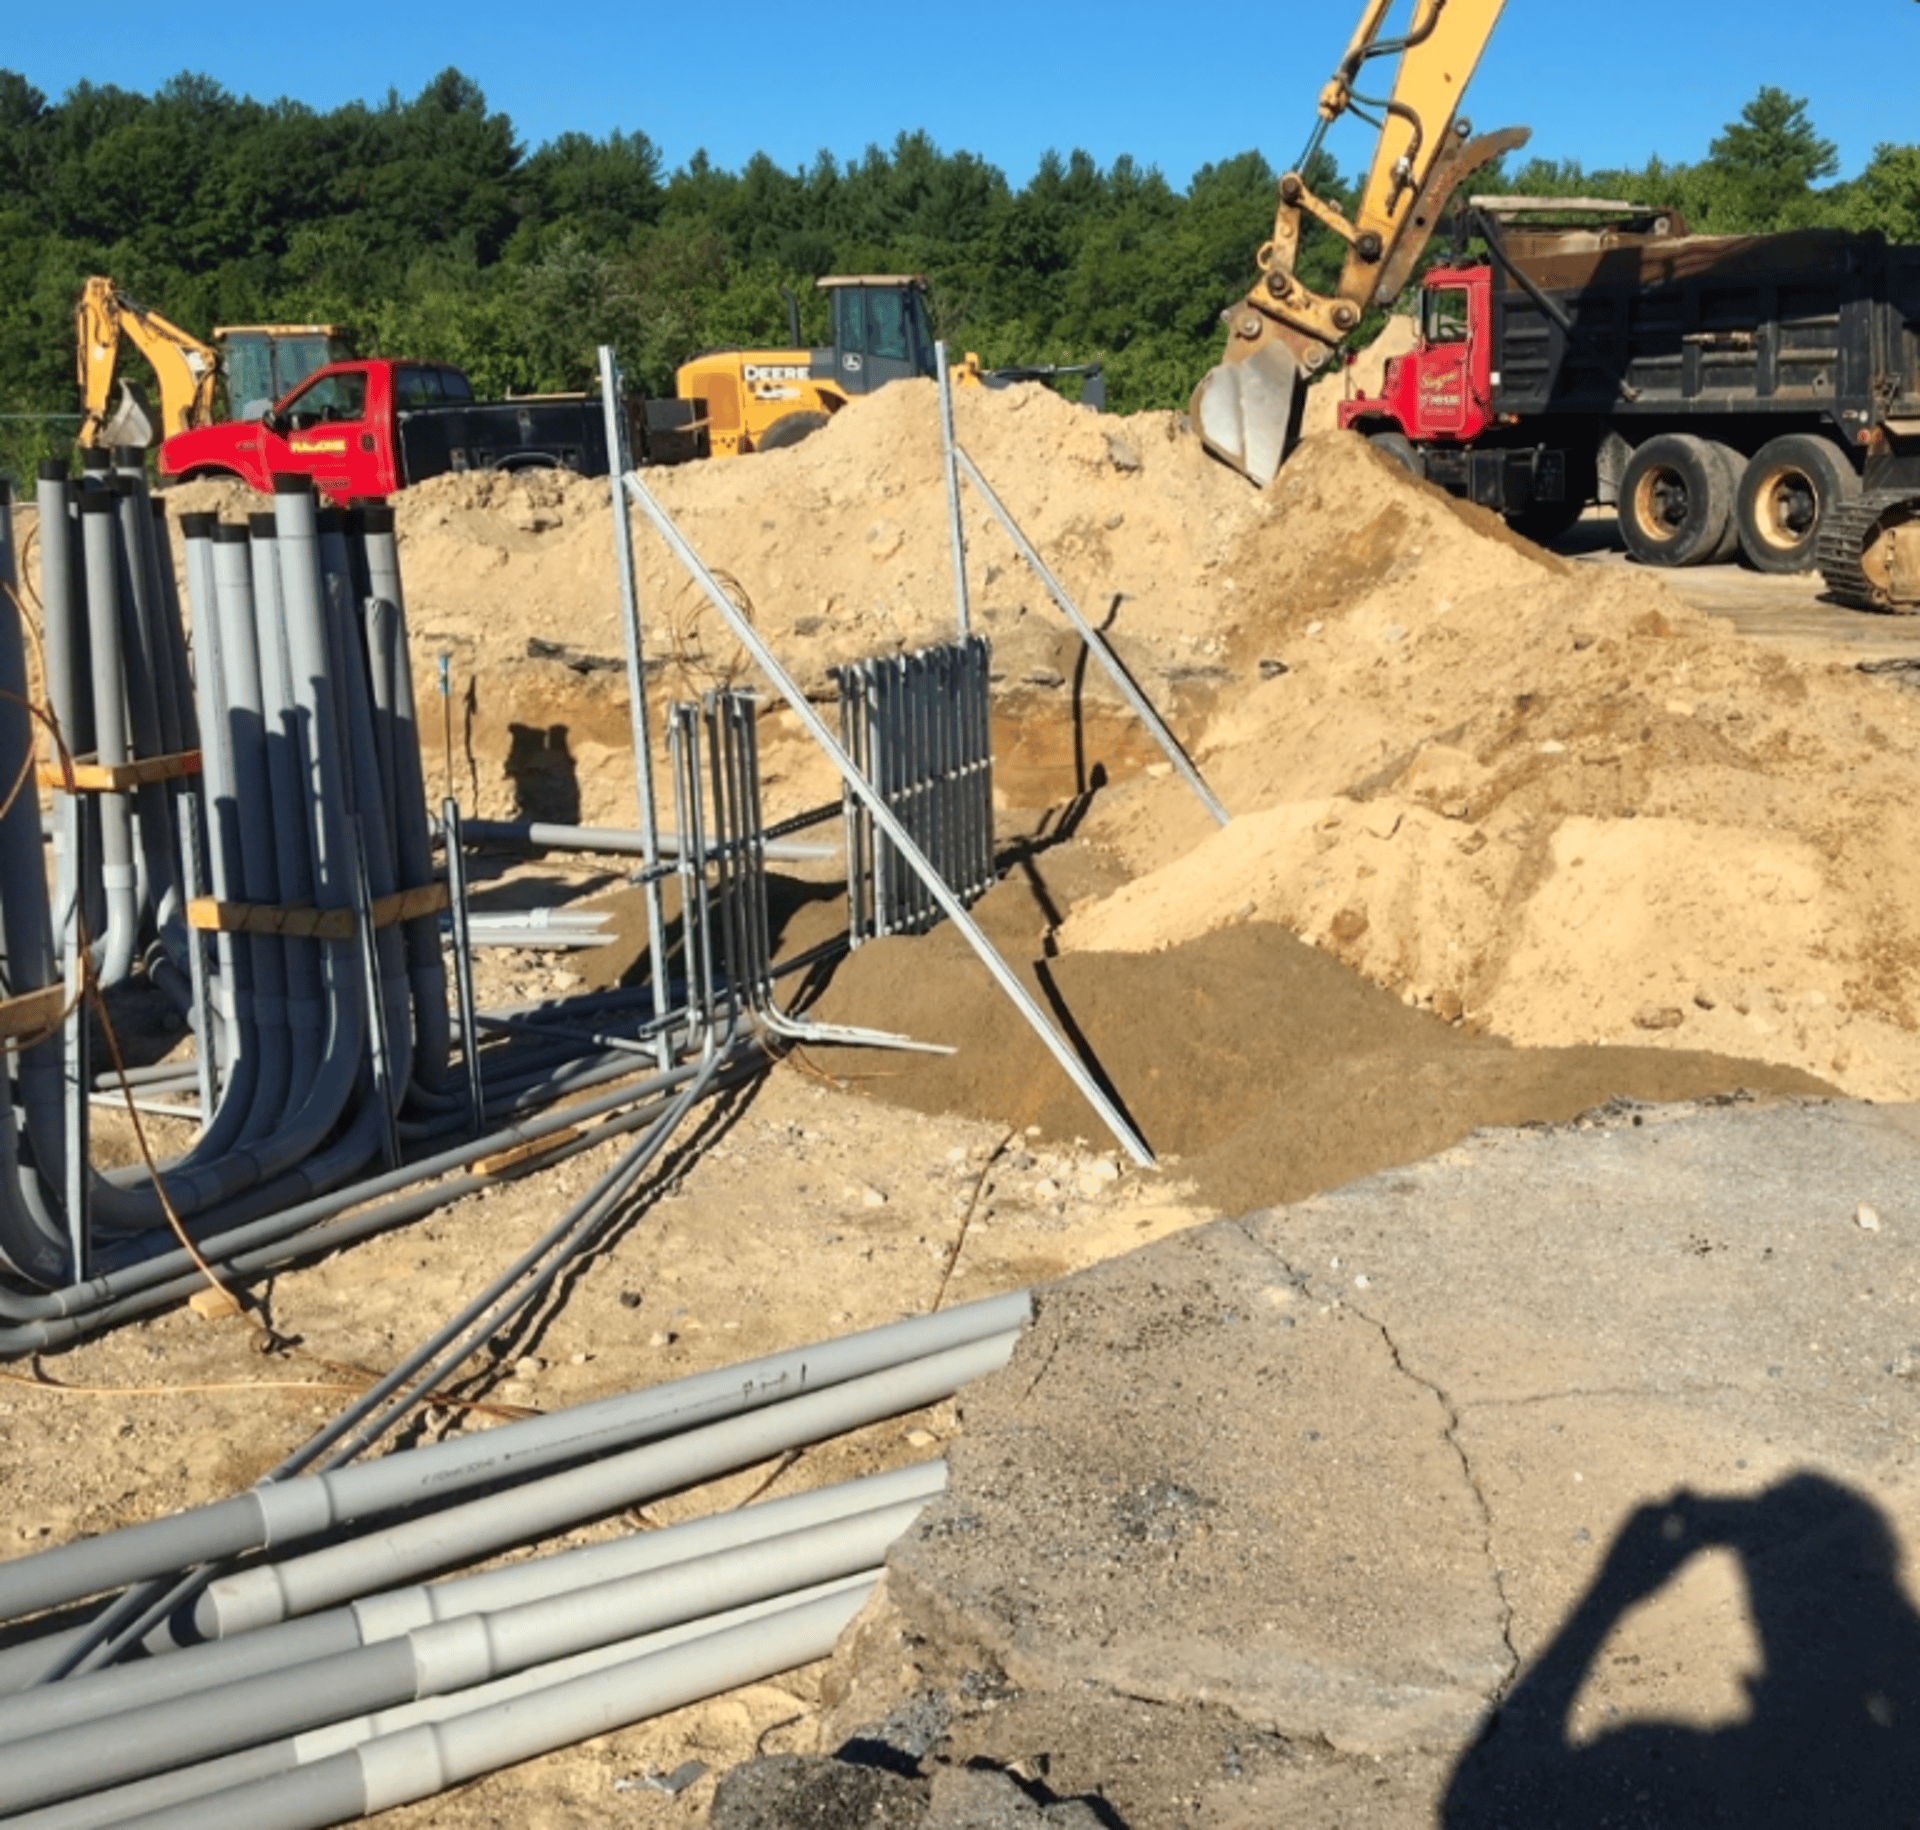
x=1514 y=835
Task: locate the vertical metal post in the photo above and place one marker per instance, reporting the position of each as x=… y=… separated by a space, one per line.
x=386 y=1095
x=754 y=830
x=981 y=733
x=956 y=534
x=463 y=960
x=696 y=924
x=619 y=462
x=852 y=685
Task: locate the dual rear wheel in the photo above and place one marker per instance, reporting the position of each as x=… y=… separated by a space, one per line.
x=1687 y=500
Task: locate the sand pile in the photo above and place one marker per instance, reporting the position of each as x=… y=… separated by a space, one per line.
x=840 y=550
x=1545 y=800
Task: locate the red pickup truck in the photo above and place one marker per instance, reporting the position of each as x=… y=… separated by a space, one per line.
x=361 y=430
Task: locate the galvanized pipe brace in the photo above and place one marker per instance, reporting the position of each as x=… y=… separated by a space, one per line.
x=883 y=816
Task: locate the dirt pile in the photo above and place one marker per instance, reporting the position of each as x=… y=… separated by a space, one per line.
x=1545 y=798
x=1362 y=372
x=839 y=549
x=1542 y=799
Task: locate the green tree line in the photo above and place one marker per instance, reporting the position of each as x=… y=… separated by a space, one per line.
x=426 y=227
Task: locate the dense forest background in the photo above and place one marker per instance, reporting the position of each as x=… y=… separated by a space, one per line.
x=426 y=228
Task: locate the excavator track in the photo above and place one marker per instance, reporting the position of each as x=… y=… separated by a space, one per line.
x=1857 y=557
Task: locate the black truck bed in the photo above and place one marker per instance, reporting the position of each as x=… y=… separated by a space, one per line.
x=1814 y=324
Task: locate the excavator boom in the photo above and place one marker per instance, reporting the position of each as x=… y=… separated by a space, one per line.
x=1247 y=410
x=186 y=368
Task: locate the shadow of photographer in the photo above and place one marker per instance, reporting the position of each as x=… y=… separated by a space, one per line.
x=1833 y=1733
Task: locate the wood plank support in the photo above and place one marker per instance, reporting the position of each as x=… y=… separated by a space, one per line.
x=117 y=778
x=301 y=921
x=32 y=1013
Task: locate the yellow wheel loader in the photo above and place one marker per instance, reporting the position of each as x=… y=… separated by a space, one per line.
x=1247 y=410
x=762 y=400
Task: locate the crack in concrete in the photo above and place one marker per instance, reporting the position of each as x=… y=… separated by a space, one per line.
x=1040 y=1371
x=1454 y=1420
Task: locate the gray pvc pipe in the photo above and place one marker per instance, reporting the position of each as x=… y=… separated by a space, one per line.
x=261 y=1230
x=368 y=787
x=392 y=676
x=33 y=1234
x=299 y=1585
x=117 y=875
x=415 y=1763
x=233 y=773
x=125 y=1803
x=96 y=1695
x=153 y=718
x=540 y=835
x=62 y=611
x=287 y=1512
x=437 y=1659
x=290 y=871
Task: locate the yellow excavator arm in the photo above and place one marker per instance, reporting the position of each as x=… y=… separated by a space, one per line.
x=186 y=369
x=1247 y=410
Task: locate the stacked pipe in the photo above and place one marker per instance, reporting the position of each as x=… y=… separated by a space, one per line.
x=296 y=694
x=324 y=1036
x=310 y=1688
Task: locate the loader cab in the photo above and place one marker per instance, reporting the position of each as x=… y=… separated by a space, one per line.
x=880 y=332
x=266 y=362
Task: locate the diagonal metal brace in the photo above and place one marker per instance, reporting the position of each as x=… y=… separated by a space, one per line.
x=883 y=817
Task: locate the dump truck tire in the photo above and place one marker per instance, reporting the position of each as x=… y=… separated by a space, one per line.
x=1676 y=501
x=1787 y=496
x=1400 y=448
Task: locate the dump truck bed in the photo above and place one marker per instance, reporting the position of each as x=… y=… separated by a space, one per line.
x=1817 y=322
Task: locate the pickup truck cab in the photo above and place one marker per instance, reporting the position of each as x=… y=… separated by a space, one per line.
x=363 y=429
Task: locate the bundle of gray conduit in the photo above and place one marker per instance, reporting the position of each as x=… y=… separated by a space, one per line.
x=318 y=1681
x=331 y=1076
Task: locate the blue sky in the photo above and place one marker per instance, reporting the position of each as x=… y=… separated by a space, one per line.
x=1605 y=83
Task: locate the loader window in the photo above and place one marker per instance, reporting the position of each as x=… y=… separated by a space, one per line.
x=849 y=330
x=1447 y=315
x=887 y=325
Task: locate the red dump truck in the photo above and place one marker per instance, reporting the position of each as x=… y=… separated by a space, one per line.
x=1722 y=393
x=361 y=430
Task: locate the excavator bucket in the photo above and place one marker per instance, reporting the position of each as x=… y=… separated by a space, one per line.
x=131 y=422
x=1248 y=412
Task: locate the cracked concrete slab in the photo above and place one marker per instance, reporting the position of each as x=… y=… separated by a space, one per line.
x=1568 y=1477
x=1662 y=1299
x=1196 y=1481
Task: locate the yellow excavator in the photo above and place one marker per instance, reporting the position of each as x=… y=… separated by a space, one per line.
x=260 y=363
x=1247 y=410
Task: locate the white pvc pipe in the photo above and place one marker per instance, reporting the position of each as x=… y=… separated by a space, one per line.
x=257 y=1597
x=289 y=1511
x=415 y=1763
x=98 y=1695
x=132 y=1801
x=438 y=1659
